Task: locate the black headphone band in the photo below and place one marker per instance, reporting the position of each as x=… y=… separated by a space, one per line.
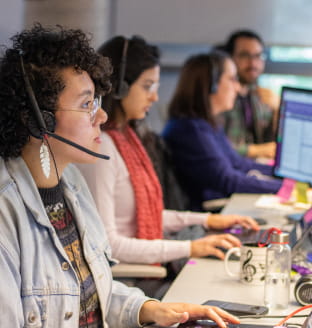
x=123 y=65
x=33 y=100
x=214 y=73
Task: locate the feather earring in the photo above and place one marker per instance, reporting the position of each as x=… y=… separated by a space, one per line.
x=45 y=160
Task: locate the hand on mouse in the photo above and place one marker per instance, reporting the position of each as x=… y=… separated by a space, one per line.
x=220 y=221
x=211 y=245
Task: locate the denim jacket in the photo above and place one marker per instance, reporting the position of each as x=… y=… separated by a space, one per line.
x=39 y=287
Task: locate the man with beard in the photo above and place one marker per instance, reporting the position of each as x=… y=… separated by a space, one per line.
x=251 y=124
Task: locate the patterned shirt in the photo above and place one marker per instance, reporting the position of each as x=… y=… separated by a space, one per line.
x=251 y=121
x=66 y=229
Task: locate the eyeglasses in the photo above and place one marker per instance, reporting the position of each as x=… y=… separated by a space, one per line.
x=94 y=106
x=248 y=56
x=150 y=87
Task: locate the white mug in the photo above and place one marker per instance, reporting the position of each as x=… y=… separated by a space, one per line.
x=252 y=263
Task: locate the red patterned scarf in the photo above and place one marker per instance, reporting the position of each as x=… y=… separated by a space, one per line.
x=147 y=189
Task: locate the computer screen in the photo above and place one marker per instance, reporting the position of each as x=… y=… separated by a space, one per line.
x=294 y=136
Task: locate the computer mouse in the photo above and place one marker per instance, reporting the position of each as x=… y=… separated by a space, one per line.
x=261 y=221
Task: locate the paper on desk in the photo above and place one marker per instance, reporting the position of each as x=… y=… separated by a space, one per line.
x=273 y=202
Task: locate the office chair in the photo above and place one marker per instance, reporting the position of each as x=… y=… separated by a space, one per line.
x=215 y=205
x=129 y=270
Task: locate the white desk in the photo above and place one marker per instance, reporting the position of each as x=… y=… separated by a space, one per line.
x=204 y=279
x=244 y=204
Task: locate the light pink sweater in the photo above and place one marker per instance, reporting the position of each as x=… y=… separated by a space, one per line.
x=110 y=185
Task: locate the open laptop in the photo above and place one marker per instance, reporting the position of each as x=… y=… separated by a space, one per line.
x=300 y=240
x=297 y=231
x=294 y=147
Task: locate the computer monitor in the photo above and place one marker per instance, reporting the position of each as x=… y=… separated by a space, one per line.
x=294 y=136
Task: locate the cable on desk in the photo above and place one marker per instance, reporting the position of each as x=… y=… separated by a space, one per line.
x=293 y=314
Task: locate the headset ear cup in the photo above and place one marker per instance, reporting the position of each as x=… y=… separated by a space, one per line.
x=34 y=129
x=214 y=78
x=214 y=87
x=123 y=89
x=49 y=120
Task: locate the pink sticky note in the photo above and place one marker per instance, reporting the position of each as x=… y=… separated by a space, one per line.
x=308 y=215
x=286 y=189
x=191 y=262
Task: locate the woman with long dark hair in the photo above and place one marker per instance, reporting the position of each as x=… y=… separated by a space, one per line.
x=207 y=165
x=126 y=188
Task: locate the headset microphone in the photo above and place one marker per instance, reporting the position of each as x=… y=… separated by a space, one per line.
x=45 y=121
x=73 y=144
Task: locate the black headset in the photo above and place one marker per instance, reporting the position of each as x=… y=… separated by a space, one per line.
x=43 y=122
x=214 y=76
x=122 y=86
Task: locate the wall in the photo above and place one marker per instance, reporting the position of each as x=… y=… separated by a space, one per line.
x=182 y=27
x=89 y=15
x=210 y=21
x=11 y=19
x=92 y=16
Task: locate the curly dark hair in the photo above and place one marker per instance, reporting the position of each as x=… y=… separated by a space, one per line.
x=140 y=56
x=45 y=52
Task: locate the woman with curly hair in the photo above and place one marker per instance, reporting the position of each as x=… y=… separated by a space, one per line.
x=54 y=252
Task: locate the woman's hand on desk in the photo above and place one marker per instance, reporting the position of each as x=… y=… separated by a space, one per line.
x=220 y=221
x=210 y=245
x=167 y=314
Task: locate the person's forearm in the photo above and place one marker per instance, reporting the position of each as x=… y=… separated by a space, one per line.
x=176 y=220
x=134 y=250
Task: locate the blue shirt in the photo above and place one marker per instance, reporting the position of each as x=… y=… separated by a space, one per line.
x=207 y=165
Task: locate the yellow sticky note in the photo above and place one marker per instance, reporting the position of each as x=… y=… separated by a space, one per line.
x=302 y=188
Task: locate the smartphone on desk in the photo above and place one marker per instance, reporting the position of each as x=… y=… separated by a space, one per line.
x=238 y=309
